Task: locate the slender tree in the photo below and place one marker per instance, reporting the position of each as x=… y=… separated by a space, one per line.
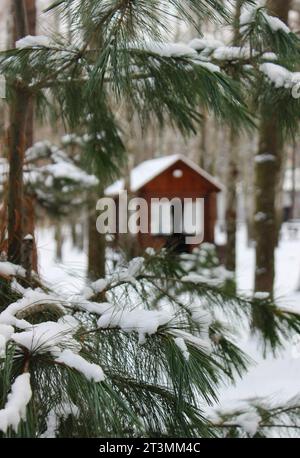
x=269 y=162
x=232 y=170
x=17 y=145
x=96 y=241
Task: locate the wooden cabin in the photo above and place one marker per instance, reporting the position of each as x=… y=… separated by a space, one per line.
x=171 y=177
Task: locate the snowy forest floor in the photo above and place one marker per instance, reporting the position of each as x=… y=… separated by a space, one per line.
x=274 y=377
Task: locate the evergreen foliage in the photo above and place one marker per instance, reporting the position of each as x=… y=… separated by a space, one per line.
x=164 y=341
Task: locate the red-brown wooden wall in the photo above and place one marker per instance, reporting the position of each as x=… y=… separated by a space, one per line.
x=190 y=185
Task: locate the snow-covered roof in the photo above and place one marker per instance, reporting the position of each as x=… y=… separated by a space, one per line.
x=150 y=169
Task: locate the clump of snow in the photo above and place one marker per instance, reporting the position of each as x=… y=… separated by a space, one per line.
x=260 y=158
x=48 y=336
x=95 y=288
x=150 y=251
x=182 y=346
x=93 y=307
x=270 y=56
x=170 y=49
x=42 y=150
x=28 y=237
x=208 y=65
x=61 y=167
x=31 y=299
x=100 y=285
x=134 y=268
x=260 y=216
x=33 y=41
x=62 y=411
x=202 y=344
x=249 y=422
x=198 y=279
x=144 y=322
x=248 y=16
x=128 y=273
x=201 y=316
x=276 y=24
x=91 y=371
x=17 y=288
x=231 y=53
x=15 y=407
x=6 y=332
x=280 y=76
x=60 y=171
x=261 y=295
x=11 y=270
x=205 y=44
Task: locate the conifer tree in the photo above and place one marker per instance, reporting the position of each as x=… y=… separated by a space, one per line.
x=233 y=170
x=269 y=163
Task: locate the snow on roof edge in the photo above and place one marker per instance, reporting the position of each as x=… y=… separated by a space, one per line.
x=140 y=179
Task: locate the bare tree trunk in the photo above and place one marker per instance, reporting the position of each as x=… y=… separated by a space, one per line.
x=280 y=8
x=20 y=18
x=29 y=200
x=231 y=202
x=232 y=174
x=17 y=144
x=265 y=219
x=294 y=181
x=31 y=19
x=267 y=174
x=18 y=117
x=202 y=145
x=128 y=242
x=96 y=251
x=96 y=243
x=59 y=240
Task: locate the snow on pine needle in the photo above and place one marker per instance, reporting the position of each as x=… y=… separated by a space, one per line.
x=134 y=343
x=15 y=408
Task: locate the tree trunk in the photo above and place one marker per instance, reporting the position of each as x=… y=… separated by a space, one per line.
x=59 y=240
x=17 y=144
x=29 y=200
x=202 y=145
x=232 y=173
x=267 y=174
x=280 y=8
x=231 y=202
x=96 y=243
x=18 y=118
x=31 y=19
x=265 y=219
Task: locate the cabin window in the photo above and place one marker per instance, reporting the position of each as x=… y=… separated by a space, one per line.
x=178 y=173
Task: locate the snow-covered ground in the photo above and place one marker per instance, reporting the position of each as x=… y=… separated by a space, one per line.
x=277 y=378
x=67 y=276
